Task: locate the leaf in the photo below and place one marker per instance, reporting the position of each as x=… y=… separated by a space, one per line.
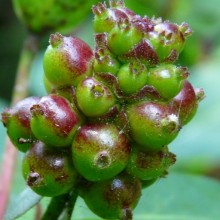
x=179 y=196
x=22 y=203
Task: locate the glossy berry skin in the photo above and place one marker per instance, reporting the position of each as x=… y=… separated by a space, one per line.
x=167 y=79
x=54 y=121
x=123 y=37
x=94 y=98
x=132 y=77
x=100 y=151
x=17 y=121
x=48 y=172
x=45 y=15
x=147 y=165
x=152 y=125
x=114 y=198
x=185 y=103
x=67 y=60
x=167 y=40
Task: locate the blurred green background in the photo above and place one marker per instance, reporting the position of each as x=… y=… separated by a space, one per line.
x=198 y=145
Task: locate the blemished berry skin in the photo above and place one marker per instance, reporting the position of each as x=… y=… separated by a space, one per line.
x=45 y=15
x=67 y=60
x=167 y=38
x=132 y=77
x=147 y=165
x=114 y=198
x=152 y=125
x=54 y=121
x=185 y=103
x=48 y=172
x=167 y=79
x=123 y=37
x=17 y=121
x=100 y=151
x=93 y=98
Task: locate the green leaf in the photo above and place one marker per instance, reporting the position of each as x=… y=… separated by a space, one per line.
x=24 y=201
x=179 y=196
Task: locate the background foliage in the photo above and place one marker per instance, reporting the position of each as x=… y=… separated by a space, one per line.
x=187 y=193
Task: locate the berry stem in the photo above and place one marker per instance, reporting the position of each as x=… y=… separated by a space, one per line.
x=20 y=91
x=61 y=205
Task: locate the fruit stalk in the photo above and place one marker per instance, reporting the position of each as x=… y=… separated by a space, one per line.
x=20 y=91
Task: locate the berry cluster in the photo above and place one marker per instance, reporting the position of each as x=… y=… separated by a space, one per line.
x=109 y=114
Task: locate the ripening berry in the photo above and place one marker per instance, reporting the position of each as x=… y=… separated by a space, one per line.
x=114 y=198
x=67 y=60
x=17 y=121
x=132 y=77
x=147 y=165
x=152 y=125
x=167 y=79
x=168 y=39
x=185 y=104
x=100 y=151
x=54 y=121
x=93 y=98
x=123 y=37
x=49 y=172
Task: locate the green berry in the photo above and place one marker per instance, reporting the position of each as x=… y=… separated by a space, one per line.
x=17 y=121
x=100 y=151
x=93 y=98
x=168 y=39
x=132 y=77
x=54 y=121
x=147 y=165
x=114 y=198
x=167 y=79
x=45 y=15
x=123 y=37
x=49 y=172
x=67 y=60
x=152 y=125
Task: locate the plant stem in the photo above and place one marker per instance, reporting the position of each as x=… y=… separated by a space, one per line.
x=20 y=91
x=61 y=206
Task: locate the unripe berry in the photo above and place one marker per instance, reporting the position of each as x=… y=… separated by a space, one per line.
x=67 y=60
x=147 y=165
x=49 y=172
x=185 y=104
x=114 y=198
x=54 y=121
x=123 y=37
x=152 y=125
x=167 y=79
x=17 y=122
x=93 y=98
x=168 y=39
x=100 y=151
x=45 y=15
x=132 y=77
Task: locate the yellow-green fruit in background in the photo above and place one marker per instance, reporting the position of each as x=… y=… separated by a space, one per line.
x=51 y=15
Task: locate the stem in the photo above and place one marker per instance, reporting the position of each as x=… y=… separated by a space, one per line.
x=61 y=205
x=20 y=91
x=56 y=207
